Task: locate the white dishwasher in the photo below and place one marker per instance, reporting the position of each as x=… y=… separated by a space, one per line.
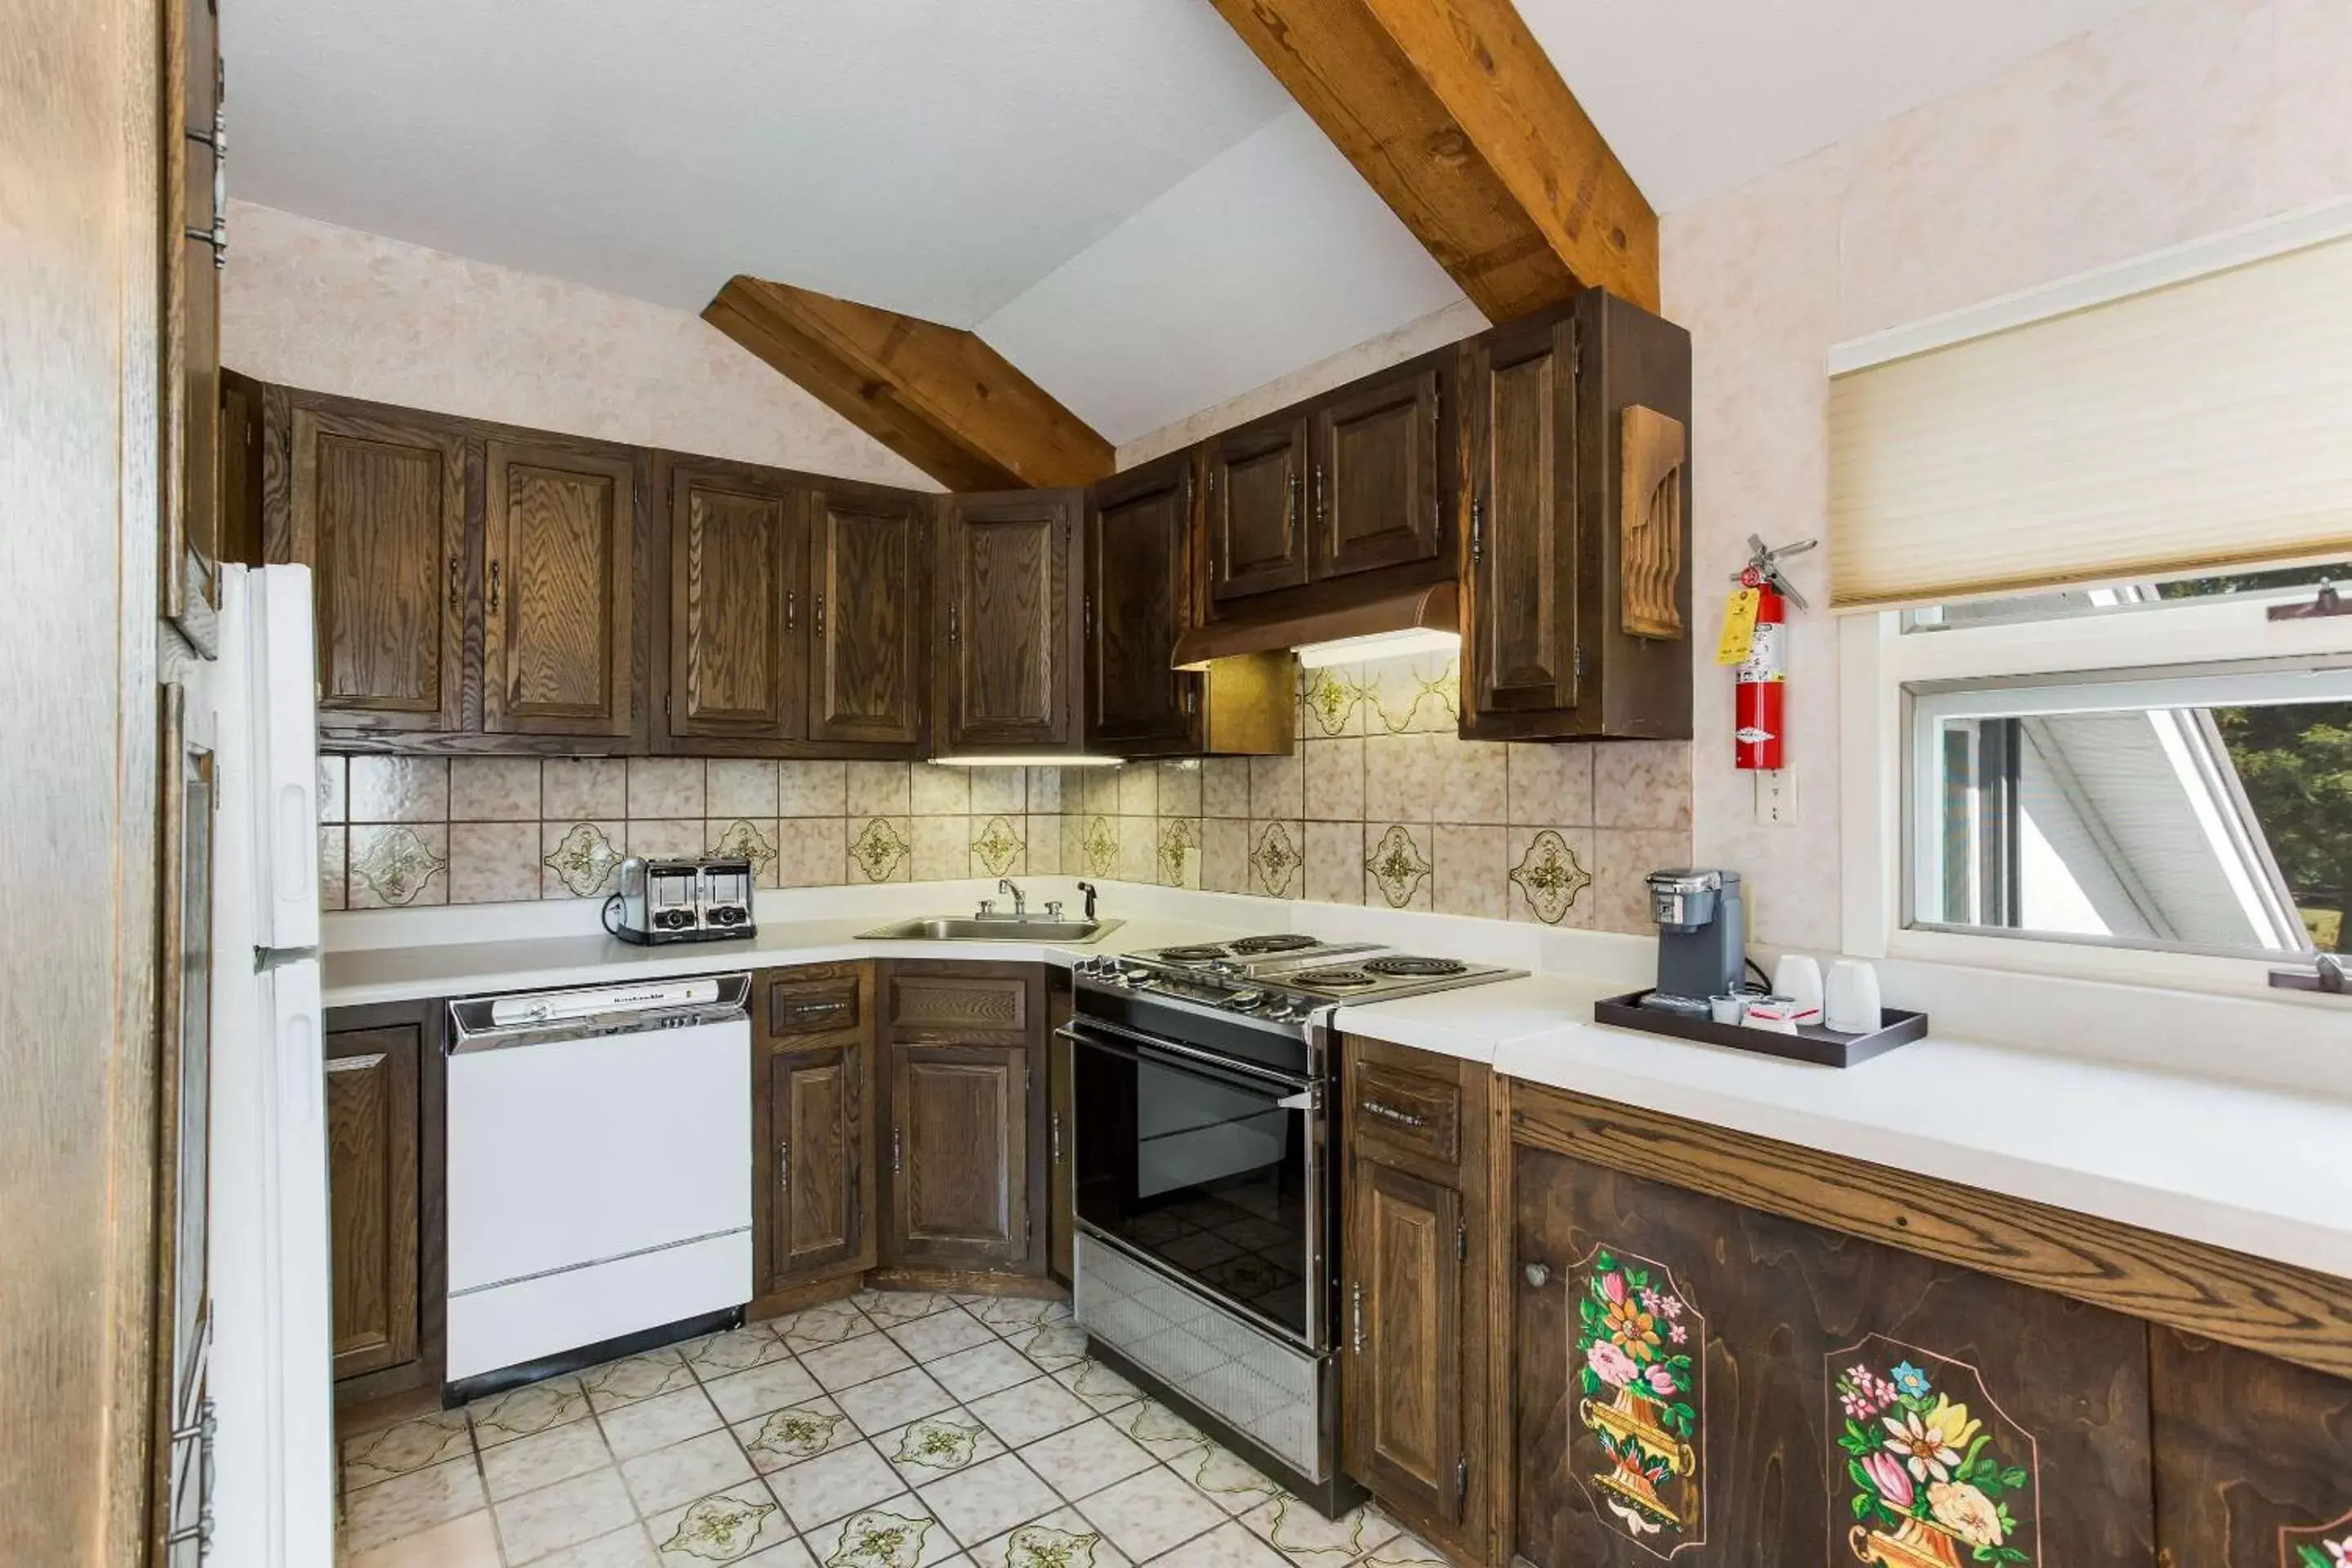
x=599 y=1173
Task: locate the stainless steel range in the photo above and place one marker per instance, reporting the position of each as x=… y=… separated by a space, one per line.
x=1204 y=1178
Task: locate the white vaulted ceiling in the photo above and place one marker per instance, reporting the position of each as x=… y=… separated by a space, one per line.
x=1112 y=191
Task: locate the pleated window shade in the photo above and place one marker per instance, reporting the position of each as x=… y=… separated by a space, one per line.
x=2202 y=425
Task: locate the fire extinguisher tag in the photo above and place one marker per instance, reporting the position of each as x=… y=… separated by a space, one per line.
x=1739 y=628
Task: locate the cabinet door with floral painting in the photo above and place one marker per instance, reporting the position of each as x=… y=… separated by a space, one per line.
x=1701 y=1383
x=2253 y=1458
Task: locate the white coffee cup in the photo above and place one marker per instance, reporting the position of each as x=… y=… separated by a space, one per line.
x=1850 y=997
x=1799 y=978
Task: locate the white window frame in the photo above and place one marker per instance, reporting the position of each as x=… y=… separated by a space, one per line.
x=1878 y=660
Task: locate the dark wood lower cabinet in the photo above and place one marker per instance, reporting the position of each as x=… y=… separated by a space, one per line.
x=813 y=1094
x=2253 y=1458
x=373 y=1133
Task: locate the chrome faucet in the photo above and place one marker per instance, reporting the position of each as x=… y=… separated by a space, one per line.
x=1020 y=903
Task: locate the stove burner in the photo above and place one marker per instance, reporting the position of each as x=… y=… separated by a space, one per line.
x=1287 y=942
x=1346 y=977
x=1405 y=964
x=1190 y=954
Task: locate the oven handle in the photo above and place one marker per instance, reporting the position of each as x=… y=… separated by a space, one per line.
x=1306 y=1099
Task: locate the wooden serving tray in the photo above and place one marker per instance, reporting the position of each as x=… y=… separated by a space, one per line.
x=1810 y=1043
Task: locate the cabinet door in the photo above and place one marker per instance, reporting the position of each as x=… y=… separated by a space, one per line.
x=1403 y=1389
x=738 y=560
x=1008 y=587
x=558 y=590
x=1137 y=603
x=1697 y=1378
x=1257 y=500
x=191 y=340
x=1378 y=490
x=821 y=1163
x=372 y=1175
x=378 y=511
x=873 y=571
x=959 y=1156
x=1519 y=640
x=2253 y=1458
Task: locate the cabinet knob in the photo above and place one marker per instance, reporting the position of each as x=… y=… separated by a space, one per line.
x=1537 y=1274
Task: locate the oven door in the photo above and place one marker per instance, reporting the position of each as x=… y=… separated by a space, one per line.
x=1212 y=1170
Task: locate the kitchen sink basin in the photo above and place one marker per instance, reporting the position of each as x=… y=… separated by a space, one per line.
x=996 y=927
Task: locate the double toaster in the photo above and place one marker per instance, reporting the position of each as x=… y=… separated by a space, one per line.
x=681 y=900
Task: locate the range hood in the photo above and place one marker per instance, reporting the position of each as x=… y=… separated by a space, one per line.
x=1411 y=621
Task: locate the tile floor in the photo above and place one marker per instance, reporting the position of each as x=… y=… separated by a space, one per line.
x=892 y=1430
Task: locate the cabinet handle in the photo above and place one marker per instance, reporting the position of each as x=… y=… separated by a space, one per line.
x=1356 y=1298
x=820 y=614
x=1391 y=1113
x=1322 y=497
x=1537 y=1274
x=494 y=587
x=792 y=608
x=202 y=1433
x=457 y=585
x=1056 y=1133
x=952 y=626
x=785 y=1166
x=1478 y=527
x=897 y=1151
x=217 y=139
x=1088 y=630
x=1294 y=497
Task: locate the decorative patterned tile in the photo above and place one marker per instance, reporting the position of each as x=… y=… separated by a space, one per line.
x=1224 y=855
x=632 y=1378
x=1147 y=1514
x=745 y=839
x=814 y=789
x=1623 y=859
x=656 y=1423
x=665 y=839
x=742 y=786
x=725 y=1527
x=997 y=846
x=1139 y=849
x=933 y=1447
x=1278 y=788
x=493 y=862
x=1549 y=874
x=573 y=789
x=1642 y=783
x=1310 y=1541
x=1404 y=775
x=408 y=1504
x=1413 y=695
x=1005 y=1313
x=832 y=1485
x=469 y=1541
x=494 y=789
x=1473 y=780
x=404 y=1448
x=399 y=789
x=624 y=1548
x=1473 y=874
x=1277 y=855
x=530 y=1463
x=1335 y=862
x=1080 y=1461
x=1396 y=865
x=1139 y=790
x=396 y=866
x=1051 y=1346
x=1044 y=791
x=1061 y=1540
x=1334 y=701
x=669 y=1476
x=898 y=1532
x=1180 y=788
x=1226 y=1478
x=1177 y=863
x=1334 y=775
x=744 y=1394
x=519 y=1412
x=1230 y=1546
x=989 y=1499
x=565 y=1514
x=1100 y=848
x=883 y=850
x=785 y=1437
x=334 y=798
x=1406 y=1550
x=830 y=1323
x=737 y=1350
x=1041 y=844
x=810 y=851
x=581 y=860
x=1163 y=1433
x=1225 y=787
x=852 y=1361
x=667 y=787
x=1098 y=1385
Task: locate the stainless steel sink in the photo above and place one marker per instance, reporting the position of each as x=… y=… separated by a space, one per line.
x=995 y=928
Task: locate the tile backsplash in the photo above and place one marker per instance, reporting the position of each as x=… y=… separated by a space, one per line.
x=1382 y=802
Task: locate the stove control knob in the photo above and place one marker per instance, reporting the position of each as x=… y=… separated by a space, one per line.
x=1246 y=1001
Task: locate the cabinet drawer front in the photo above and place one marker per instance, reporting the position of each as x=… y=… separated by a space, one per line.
x=813 y=1006
x=1412 y=1113
x=957 y=1007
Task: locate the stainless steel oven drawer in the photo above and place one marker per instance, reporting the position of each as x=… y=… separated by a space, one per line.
x=1267 y=1390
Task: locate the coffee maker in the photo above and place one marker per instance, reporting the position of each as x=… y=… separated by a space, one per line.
x=1701 y=938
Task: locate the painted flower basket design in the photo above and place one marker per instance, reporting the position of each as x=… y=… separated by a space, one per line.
x=1938 y=1474
x=2330 y=1546
x=1636 y=1366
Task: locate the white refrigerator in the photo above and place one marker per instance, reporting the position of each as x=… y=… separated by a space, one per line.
x=272 y=1371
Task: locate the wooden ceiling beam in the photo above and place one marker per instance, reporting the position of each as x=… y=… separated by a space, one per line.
x=1454 y=115
x=938 y=396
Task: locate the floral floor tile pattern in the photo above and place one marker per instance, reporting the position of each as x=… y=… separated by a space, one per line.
x=862 y=1476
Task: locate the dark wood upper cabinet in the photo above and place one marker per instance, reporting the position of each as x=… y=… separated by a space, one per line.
x=1255 y=483
x=1576 y=586
x=1377 y=483
x=1008 y=652
x=1138 y=601
x=189 y=568
x=871 y=562
x=373 y=1131
x=738 y=607
x=378 y=510
x=560 y=525
x=2253 y=1458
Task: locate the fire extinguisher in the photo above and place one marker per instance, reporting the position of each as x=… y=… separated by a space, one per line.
x=1760 y=706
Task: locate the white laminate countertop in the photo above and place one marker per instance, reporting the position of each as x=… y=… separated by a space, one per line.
x=355 y=977
x=2259 y=1170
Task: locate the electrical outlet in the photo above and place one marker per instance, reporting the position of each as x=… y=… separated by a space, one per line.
x=1775 y=797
